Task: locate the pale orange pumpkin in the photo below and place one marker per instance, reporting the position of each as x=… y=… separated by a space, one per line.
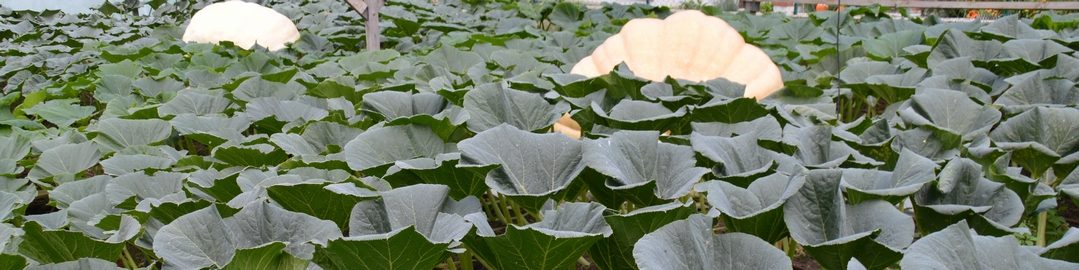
x=242 y=23
x=687 y=45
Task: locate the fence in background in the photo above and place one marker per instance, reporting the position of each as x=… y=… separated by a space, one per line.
x=1037 y=5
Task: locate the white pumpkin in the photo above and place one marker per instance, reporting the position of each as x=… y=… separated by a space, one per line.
x=243 y=23
x=687 y=45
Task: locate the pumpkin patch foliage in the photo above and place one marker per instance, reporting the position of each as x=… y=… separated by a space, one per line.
x=895 y=142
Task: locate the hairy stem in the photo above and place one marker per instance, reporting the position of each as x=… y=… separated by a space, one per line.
x=129 y=262
x=791 y=247
x=521 y=220
x=1042 y=218
x=450 y=264
x=466 y=260
x=498 y=208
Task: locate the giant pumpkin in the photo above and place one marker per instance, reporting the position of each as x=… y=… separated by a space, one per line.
x=242 y=23
x=687 y=45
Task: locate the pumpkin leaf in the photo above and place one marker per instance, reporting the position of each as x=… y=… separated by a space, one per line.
x=834 y=232
x=533 y=167
x=693 y=246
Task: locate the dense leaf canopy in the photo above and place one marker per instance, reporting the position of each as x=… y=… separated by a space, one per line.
x=897 y=142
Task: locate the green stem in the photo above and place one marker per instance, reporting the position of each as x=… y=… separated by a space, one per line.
x=128 y=261
x=504 y=207
x=450 y=264
x=521 y=220
x=792 y=247
x=1043 y=217
x=466 y=260
x=488 y=206
x=497 y=208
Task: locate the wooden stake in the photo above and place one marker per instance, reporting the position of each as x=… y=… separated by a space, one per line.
x=368 y=9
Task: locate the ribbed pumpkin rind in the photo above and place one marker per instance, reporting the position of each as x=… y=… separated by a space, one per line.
x=242 y=23
x=687 y=45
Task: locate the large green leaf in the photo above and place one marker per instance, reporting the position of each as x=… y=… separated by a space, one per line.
x=636 y=158
x=929 y=143
x=268 y=93
x=391 y=105
x=534 y=167
x=883 y=80
x=891 y=45
x=259 y=224
x=690 y=244
x=1066 y=248
x=1035 y=51
x=249 y=155
x=566 y=15
x=116 y=134
x=955 y=43
x=814 y=147
x=329 y=202
x=764 y=128
x=1012 y=27
x=911 y=172
x=740 y=160
x=1038 y=89
x=270 y=256
x=553 y=243
x=963 y=193
x=463 y=181
x=192 y=101
x=616 y=251
x=288 y=111
x=61 y=112
x=379 y=147
x=728 y=111
x=9 y=202
x=67 y=193
x=120 y=164
x=426 y=208
x=1069 y=186
x=324 y=136
x=949 y=111
x=12 y=149
x=84 y=263
x=757 y=209
x=490 y=105
x=61 y=163
x=211 y=130
x=48 y=246
x=1039 y=137
x=144 y=186
x=638 y=115
x=14 y=262
x=452 y=59
x=959 y=247
x=403 y=249
x=195 y=240
x=961 y=74
x=834 y=232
